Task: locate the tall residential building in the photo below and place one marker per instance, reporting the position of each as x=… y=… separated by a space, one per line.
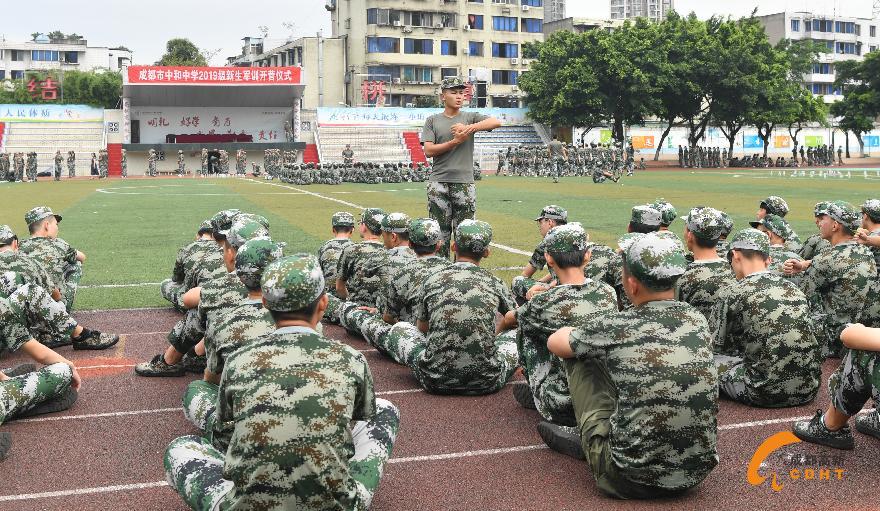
x=651 y=9
x=554 y=10
x=43 y=54
x=846 y=38
x=411 y=46
x=581 y=25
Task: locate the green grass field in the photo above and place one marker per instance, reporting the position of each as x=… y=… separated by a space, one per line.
x=131 y=230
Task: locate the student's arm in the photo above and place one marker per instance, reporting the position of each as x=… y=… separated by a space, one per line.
x=860 y=337
x=432 y=150
x=528 y=271
x=211 y=377
x=487 y=124
x=508 y=322
x=422 y=326
x=341 y=290
x=46 y=356
x=559 y=343
x=80 y=256
x=191 y=298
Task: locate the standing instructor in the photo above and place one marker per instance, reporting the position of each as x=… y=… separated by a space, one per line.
x=448 y=139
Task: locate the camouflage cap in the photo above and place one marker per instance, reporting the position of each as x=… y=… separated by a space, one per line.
x=342 y=219
x=627 y=239
x=292 y=283
x=705 y=223
x=205 y=226
x=727 y=224
x=424 y=232
x=473 y=235
x=244 y=230
x=750 y=239
x=222 y=221
x=395 y=222
x=776 y=205
x=846 y=214
x=667 y=211
x=6 y=235
x=646 y=214
x=655 y=261
x=372 y=218
x=452 y=82
x=253 y=257
x=871 y=207
x=39 y=213
x=775 y=224
x=821 y=208
x=553 y=212
x=260 y=219
x=566 y=238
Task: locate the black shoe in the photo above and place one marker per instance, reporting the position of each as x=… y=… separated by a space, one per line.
x=523 y=395
x=815 y=431
x=561 y=440
x=94 y=340
x=19 y=370
x=869 y=424
x=56 y=404
x=5 y=444
x=53 y=343
x=158 y=367
x=193 y=363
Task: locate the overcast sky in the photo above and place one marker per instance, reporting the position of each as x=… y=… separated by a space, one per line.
x=145 y=25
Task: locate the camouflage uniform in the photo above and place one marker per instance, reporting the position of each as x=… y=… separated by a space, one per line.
x=727 y=227
x=450 y=204
x=520 y=284
x=46 y=319
x=57 y=257
x=778 y=252
x=398 y=257
x=766 y=351
x=815 y=244
x=775 y=205
x=71 y=164
x=187 y=258
x=855 y=380
x=360 y=264
x=645 y=384
x=305 y=428
x=329 y=253
x=704 y=280
x=871 y=314
x=461 y=354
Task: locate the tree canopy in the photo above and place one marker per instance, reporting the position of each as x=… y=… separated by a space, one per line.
x=95 y=88
x=860 y=84
x=182 y=52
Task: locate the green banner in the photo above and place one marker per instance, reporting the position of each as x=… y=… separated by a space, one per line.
x=813 y=140
x=604 y=136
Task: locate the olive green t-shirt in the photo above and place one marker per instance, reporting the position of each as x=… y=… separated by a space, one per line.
x=457 y=165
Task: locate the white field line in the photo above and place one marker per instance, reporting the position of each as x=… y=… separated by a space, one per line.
x=83 y=491
x=752 y=424
x=109 y=286
x=133 y=309
x=104 y=415
x=104 y=366
x=467 y=454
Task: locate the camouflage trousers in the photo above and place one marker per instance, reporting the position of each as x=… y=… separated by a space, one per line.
x=369 y=325
x=548 y=382
x=449 y=204
x=331 y=313
x=734 y=384
x=71 y=170
x=856 y=379
x=27 y=391
x=173 y=292
x=45 y=319
x=194 y=467
x=200 y=404
x=187 y=332
x=72 y=276
x=58 y=172
x=871 y=313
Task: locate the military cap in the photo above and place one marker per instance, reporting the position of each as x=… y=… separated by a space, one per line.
x=342 y=219
x=6 y=235
x=473 y=235
x=776 y=205
x=395 y=222
x=553 y=212
x=452 y=82
x=705 y=223
x=292 y=283
x=372 y=218
x=646 y=214
x=244 y=230
x=566 y=238
x=424 y=232
x=750 y=239
x=871 y=207
x=775 y=224
x=821 y=208
x=627 y=239
x=667 y=211
x=655 y=261
x=846 y=214
x=222 y=221
x=253 y=257
x=39 y=213
x=727 y=224
x=205 y=226
x=260 y=219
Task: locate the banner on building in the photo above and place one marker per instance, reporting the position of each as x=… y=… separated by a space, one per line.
x=781 y=141
x=406 y=117
x=643 y=142
x=813 y=140
x=752 y=142
x=50 y=113
x=871 y=140
x=604 y=136
x=183 y=75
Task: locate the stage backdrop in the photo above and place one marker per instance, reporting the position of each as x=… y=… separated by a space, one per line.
x=266 y=125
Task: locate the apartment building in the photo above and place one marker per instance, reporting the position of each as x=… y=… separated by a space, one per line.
x=628 y=9
x=43 y=54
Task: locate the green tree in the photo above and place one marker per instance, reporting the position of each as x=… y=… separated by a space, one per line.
x=95 y=88
x=860 y=105
x=181 y=52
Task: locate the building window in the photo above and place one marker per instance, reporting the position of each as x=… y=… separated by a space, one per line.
x=418 y=19
x=2 y=74
x=844 y=27
x=17 y=55
x=504 y=77
x=383 y=73
x=823 y=26
x=476 y=48
x=505 y=50
x=475 y=1
x=448 y=71
x=533 y=3
x=44 y=56
x=372 y=16
x=17 y=75
x=71 y=57
x=823 y=69
x=416 y=74
x=504 y=2
x=418 y=46
x=532 y=25
x=872 y=48
x=504 y=23
x=795 y=25
x=848 y=48
x=448 y=47
x=475 y=21
x=872 y=31
x=383 y=45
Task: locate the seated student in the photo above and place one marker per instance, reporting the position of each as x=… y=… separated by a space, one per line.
x=454 y=349
x=550 y=217
x=774 y=205
x=766 y=352
x=51 y=389
x=643 y=385
x=187 y=257
x=869 y=236
x=359 y=278
x=708 y=274
x=815 y=244
x=776 y=228
x=305 y=428
x=232 y=327
x=342 y=224
x=572 y=302
x=852 y=384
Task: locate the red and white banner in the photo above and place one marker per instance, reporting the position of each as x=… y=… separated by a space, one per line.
x=215 y=75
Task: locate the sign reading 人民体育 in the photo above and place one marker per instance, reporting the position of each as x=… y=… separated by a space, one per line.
x=406 y=117
x=184 y=75
x=50 y=113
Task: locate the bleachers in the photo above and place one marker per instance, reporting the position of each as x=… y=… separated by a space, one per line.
x=84 y=138
x=379 y=145
x=506 y=136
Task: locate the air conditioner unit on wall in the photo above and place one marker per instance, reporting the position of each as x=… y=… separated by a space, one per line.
x=467 y=27
x=525 y=8
x=407 y=29
x=438 y=25
x=514 y=61
x=395 y=81
x=410 y=105
x=398 y=23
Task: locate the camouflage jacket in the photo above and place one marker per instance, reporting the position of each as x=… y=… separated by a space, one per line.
x=703 y=282
x=659 y=357
x=765 y=319
x=361 y=267
x=814 y=246
x=289 y=399
x=207 y=265
x=778 y=255
x=404 y=290
x=398 y=257
x=232 y=328
x=52 y=254
x=328 y=256
x=721 y=249
x=837 y=284
x=219 y=295
x=13 y=332
x=29 y=269
x=538 y=261
x=793 y=243
x=191 y=255
x=459 y=304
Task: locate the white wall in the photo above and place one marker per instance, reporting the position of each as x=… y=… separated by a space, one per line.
x=248 y=120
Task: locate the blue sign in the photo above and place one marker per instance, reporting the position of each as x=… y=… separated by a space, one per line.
x=752 y=142
x=872 y=140
x=50 y=113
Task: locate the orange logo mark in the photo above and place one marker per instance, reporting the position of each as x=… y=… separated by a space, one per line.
x=764 y=450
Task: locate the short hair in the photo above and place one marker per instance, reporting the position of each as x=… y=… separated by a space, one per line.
x=642 y=228
x=748 y=253
x=703 y=242
x=653 y=286
x=423 y=250
x=36 y=226
x=11 y=241
x=402 y=235
x=468 y=254
x=570 y=259
x=304 y=314
x=377 y=232
x=206 y=230
x=343 y=228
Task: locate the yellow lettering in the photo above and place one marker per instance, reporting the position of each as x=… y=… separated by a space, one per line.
x=839 y=472
x=795 y=474
x=774 y=484
x=824 y=474
x=809 y=473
